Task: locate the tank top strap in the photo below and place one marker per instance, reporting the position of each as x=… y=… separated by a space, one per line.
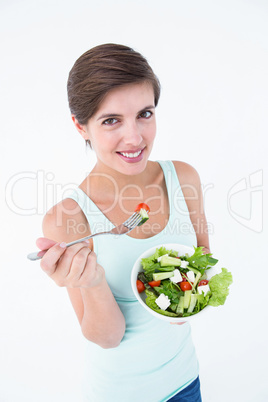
x=177 y=203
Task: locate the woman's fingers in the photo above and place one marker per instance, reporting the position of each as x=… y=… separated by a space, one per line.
x=93 y=273
x=76 y=264
x=89 y=270
x=60 y=261
x=44 y=244
x=51 y=258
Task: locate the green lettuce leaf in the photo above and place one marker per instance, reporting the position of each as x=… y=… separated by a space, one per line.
x=219 y=286
x=202 y=301
x=150 y=264
x=150 y=301
x=201 y=261
x=170 y=290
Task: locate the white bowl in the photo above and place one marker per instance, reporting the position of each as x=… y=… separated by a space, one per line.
x=137 y=267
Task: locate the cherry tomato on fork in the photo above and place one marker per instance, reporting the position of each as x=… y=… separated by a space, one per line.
x=142 y=205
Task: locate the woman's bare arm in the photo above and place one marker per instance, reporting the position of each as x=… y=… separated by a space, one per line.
x=76 y=268
x=192 y=191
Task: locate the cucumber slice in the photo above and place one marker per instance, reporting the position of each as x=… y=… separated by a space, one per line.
x=187 y=298
x=166 y=261
x=173 y=307
x=165 y=269
x=180 y=308
x=143 y=213
x=198 y=276
x=159 y=276
x=193 y=301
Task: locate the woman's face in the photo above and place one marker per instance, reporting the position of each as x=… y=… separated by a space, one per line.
x=123 y=129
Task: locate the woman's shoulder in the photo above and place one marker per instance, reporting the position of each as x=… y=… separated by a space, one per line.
x=186 y=173
x=65 y=221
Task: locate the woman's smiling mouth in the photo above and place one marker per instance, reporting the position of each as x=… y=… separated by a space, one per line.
x=129 y=156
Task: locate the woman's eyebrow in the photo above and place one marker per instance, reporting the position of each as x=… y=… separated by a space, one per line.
x=146 y=108
x=109 y=115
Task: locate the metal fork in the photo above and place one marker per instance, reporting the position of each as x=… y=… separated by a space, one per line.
x=130 y=224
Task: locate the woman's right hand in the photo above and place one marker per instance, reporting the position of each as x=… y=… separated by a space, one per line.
x=73 y=267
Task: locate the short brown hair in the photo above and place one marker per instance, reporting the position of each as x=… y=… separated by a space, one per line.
x=101 y=69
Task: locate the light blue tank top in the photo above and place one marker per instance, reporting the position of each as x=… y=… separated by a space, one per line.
x=155 y=359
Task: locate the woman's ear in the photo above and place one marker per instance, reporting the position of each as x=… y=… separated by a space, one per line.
x=81 y=128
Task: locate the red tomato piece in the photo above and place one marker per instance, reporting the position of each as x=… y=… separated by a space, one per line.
x=140 y=286
x=203 y=282
x=142 y=206
x=185 y=286
x=154 y=283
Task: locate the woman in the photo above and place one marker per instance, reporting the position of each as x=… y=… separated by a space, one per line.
x=132 y=356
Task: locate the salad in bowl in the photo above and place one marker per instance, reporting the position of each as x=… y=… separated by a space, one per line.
x=175 y=282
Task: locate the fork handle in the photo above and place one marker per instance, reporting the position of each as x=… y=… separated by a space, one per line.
x=40 y=254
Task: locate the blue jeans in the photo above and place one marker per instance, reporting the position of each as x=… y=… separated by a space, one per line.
x=189 y=394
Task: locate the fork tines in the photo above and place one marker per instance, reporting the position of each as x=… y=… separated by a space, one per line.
x=134 y=220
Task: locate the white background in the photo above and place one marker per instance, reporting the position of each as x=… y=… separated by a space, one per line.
x=212 y=60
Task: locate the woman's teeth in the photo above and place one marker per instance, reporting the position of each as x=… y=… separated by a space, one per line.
x=131 y=155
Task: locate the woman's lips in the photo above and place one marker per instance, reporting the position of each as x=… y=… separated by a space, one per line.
x=131 y=156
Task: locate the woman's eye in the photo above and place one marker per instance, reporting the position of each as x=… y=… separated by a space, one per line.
x=110 y=121
x=146 y=114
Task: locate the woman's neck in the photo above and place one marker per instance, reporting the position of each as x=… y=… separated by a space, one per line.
x=106 y=176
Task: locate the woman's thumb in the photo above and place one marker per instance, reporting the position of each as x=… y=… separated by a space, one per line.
x=44 y=244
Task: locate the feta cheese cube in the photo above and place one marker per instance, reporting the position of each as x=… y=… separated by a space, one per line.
x=203 y=288
x=159 y=258
x=177 y=276
x=163 y=301
x=191 y=276
x=184 y=264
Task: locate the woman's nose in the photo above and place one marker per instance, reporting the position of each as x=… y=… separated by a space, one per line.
x=132 y=134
